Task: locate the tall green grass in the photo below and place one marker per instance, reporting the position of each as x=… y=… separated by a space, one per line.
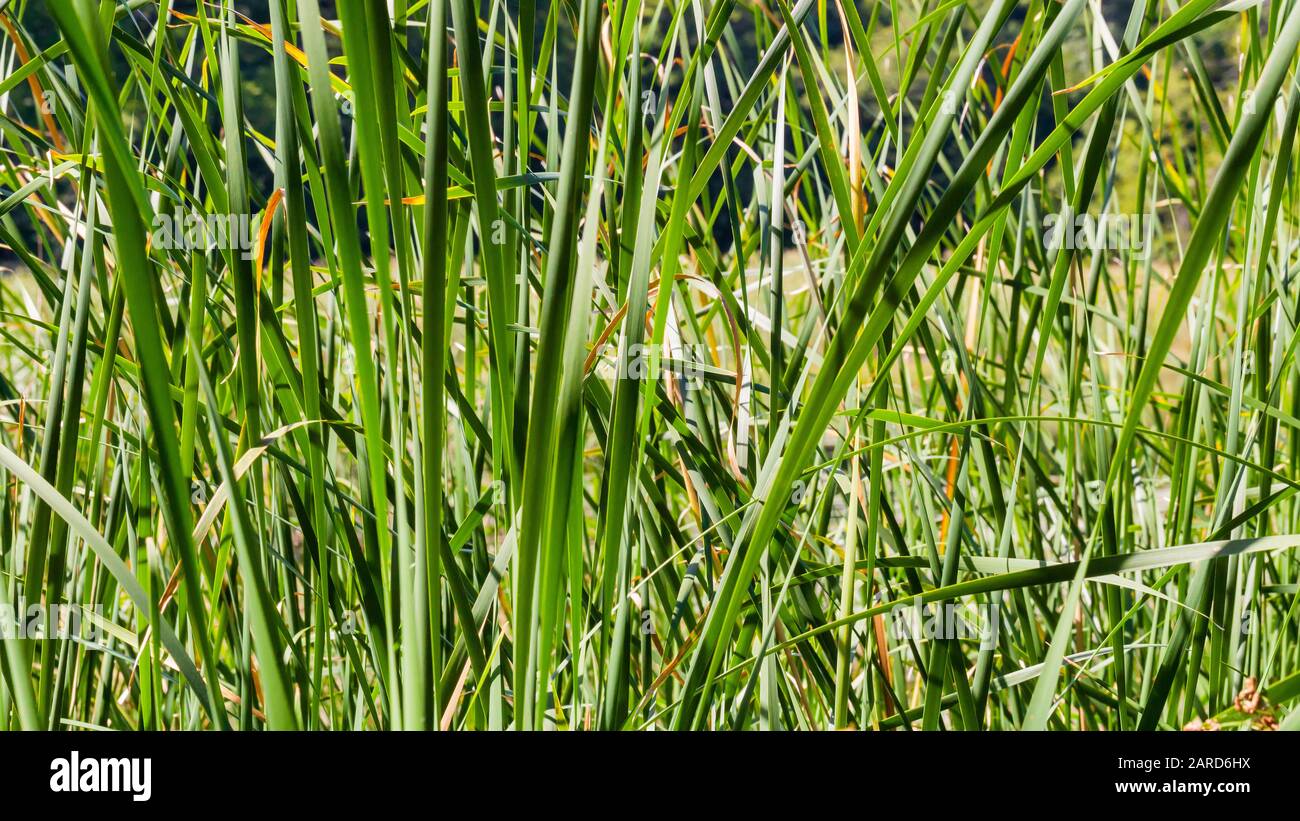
x=632 y=365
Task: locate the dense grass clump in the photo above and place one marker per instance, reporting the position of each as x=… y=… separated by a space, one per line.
x=712 y=364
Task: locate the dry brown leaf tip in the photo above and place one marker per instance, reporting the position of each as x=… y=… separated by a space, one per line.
x=1248 y=700
x=1207 y=726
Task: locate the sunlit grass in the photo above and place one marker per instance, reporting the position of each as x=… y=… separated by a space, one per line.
x=649 y=365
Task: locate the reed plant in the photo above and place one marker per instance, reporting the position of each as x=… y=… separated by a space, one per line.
x=649 y=364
